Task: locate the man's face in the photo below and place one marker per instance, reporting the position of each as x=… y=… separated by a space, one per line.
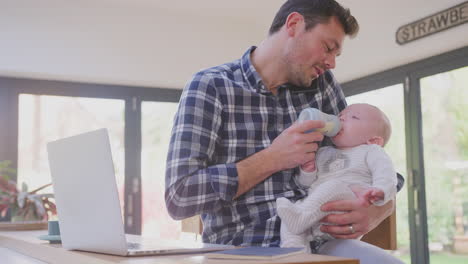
x=310 y=53
x=359 y=123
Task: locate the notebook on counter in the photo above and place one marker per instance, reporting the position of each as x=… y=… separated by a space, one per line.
x=260 y=253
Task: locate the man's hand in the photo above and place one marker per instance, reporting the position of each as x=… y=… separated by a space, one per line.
x=293 y=147
x=358 y=213
x=290 y=149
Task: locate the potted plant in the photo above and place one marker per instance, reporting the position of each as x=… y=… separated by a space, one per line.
x=22 y=204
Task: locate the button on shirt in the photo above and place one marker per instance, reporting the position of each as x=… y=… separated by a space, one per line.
x=225 y=115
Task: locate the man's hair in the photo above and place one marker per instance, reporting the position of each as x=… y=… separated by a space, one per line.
x=316 y=12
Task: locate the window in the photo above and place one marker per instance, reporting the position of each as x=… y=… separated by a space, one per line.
x=434 y=95
x=444 y=109
x=156 y=122
x=390 y=101
x=47 y=118
x=34 y=112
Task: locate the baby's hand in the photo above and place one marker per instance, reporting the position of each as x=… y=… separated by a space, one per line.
x=308 y=166
x=376 y=195
x=370 y=195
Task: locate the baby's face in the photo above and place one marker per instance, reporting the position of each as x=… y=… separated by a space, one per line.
x=359 y=123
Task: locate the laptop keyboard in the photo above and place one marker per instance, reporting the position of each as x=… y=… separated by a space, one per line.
x=151 y=246
x=133 y=245
x=143 y=246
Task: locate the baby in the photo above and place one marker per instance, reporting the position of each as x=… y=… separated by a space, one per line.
x=357 y=167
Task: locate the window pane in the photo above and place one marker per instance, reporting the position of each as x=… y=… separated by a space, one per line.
x=47 y=118
x=390 y=101
x=445 y=139
x=157 y=118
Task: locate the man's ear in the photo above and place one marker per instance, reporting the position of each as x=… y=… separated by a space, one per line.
x=377 y=140
x=293 y=21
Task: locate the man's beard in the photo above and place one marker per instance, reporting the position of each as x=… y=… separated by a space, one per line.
x=300 y=79
x=296 y=73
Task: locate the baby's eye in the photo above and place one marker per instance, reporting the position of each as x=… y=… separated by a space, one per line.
x=355 y=117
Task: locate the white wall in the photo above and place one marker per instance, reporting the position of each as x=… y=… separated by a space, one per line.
x=374 y=49
x=161 y=43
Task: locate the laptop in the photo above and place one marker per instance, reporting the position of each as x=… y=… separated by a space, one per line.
x=88 y=205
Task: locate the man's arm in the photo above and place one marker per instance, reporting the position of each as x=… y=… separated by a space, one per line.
x=291 y=148
x=193 y=185
x=363 y=218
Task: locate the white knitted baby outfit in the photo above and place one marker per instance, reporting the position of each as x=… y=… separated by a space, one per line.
x=336 y=170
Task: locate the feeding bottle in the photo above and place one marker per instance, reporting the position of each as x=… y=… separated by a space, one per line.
x=332 y=122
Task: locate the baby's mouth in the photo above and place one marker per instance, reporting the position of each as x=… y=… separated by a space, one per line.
x=339 y=133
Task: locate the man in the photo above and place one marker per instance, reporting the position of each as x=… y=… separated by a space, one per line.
x=235 y=144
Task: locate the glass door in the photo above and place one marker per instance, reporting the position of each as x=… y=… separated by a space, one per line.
x=156 y=126
x=444 y=108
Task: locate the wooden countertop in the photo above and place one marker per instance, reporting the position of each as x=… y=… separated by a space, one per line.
x=26 y=243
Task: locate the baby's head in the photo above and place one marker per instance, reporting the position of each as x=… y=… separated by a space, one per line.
x=362 y=124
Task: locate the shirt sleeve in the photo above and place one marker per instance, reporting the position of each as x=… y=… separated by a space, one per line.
x=383 y=172
x=194 y=184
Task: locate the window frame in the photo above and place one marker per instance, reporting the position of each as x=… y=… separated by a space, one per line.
x=410 y=76
x=11 y=88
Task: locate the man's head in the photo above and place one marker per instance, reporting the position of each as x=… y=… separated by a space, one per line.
x=313 y=32
x=362 y=124
x=315 y=12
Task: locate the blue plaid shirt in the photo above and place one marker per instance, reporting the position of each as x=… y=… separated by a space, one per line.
x=225 y=115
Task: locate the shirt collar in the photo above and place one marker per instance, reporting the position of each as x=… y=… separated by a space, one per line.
x=250 y=73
